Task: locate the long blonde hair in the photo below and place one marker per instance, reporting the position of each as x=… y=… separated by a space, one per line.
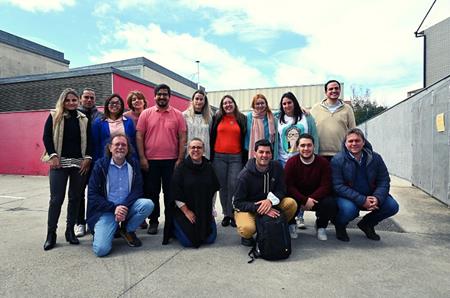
x=59 y=107
x=206 y=110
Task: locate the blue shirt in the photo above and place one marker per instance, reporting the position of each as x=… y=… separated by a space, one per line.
x=118 y=182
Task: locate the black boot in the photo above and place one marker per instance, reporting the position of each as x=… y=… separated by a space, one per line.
x=50 y=241
x=368 y=229
x=70 y=236
x=341 y=234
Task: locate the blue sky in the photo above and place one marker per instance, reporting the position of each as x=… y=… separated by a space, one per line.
x=241 y=44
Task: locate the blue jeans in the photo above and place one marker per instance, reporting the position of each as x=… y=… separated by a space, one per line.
x=107 y=225
x=227 y=168
x=184 y=240
x=349 y=211
x=159 y=172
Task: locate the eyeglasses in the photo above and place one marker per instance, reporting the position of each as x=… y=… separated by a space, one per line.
x=120 y=145
x=196 y=148
x=162 y=94
x=88 y=97
x=114 y=104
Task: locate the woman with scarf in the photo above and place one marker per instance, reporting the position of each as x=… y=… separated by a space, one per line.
x=189 y=214
x=261 y=124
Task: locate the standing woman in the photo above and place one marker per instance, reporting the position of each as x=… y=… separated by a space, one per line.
x=137 y=103
x=67 y=144
x=261 y=124
x=228 y=153
x=198 y=120
x=112 y=122
x=292 y=122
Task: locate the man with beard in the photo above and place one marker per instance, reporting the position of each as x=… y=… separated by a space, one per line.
x=308 y=181
x=115 y=197
x=160 y=138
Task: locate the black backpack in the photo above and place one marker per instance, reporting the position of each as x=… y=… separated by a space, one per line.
x=273 y=241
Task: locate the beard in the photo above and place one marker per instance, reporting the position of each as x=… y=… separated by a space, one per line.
x=162 y=103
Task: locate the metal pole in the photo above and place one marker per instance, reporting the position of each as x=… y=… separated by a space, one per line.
x=198 y=74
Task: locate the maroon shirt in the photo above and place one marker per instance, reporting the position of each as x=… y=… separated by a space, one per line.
x=308 y=181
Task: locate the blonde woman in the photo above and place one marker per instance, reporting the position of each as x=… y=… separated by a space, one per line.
x=68 y=152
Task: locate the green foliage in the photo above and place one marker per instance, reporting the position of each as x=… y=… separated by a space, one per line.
x=363 y=107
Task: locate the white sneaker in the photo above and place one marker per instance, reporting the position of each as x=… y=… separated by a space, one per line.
x=322 y=234
x=80 y=230
x=293 y=231
x=300 y=223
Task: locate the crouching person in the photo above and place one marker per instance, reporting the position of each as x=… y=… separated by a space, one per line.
x=260 y=190
x=361 y=182
x=115 y=197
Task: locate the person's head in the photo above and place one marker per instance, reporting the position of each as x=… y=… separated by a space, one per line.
x=260 y=105
x=263 y=153
x=355 y=141
x=136 y=101
x=228 y=106
x=332 y=89
x=118 y=148
x=87 y=98
x=305 y=145
x=292 y=134
x=196 y=149
x=114 y=106
x=68 y=101
x=289 y=106
x=199 y=101
x=162 y=96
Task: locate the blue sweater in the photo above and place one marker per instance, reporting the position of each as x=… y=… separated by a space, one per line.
x=348 y=184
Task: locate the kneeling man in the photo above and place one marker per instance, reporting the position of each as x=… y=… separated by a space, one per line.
x=260 y=188
x=115 y=197
x=308 y=181
x=361 y=182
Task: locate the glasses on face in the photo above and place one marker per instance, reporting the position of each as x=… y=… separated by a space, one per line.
x=162 y=94
x=196 y=148
x=114 y=104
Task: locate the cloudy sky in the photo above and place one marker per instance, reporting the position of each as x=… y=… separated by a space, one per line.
x=242 y=44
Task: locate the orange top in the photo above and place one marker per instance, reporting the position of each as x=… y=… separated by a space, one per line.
x=228 y=136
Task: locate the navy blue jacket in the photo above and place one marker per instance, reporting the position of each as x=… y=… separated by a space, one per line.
x=98 y=203
x=343 y=173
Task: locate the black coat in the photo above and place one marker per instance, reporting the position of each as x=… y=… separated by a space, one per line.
x=195 y=185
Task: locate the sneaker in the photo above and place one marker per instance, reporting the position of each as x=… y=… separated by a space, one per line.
x=369 y=230
x=341 y=234
x=152 y=228
x=293 y=231
x=300 y=223
x=322 y=234
x=247 y=241
x=80 y=230
x=131 y=238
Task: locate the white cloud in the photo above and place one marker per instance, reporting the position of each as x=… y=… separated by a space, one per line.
x=101 y=9
x=141 y=4
x=41 y=5
x=178 y=52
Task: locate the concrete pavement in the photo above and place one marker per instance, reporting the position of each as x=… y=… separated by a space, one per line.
x=411 y=260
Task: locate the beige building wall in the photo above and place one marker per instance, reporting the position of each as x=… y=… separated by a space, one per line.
x=308 y=95
x=18 y=62
x=159 y=78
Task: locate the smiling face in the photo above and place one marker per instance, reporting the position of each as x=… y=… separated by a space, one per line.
x=263 y=155
x=196 y=149
x=119 y=149
x=333 y=91
x=87 y=99
x=306 y=148
x=162 y=98
x=354 y=144
x=70 y=102
x=198 y=102
x=288 y=106
x=114 y=106
x=228 y=106
x=260 y=105
x=137 y=103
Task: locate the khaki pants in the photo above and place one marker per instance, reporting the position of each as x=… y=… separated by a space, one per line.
x=245 y=221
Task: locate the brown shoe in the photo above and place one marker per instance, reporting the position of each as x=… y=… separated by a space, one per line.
x=131 y=238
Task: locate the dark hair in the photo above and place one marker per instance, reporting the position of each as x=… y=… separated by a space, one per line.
x=139 y=95
x=198 y=140
x=263 y=143
x=221 y=111
x=331 y=81
x=297 y=110
x=304 y=136
x=355 y=131
x=162 y=86
x=111 y=139
x=106 y=110
x=88 y=90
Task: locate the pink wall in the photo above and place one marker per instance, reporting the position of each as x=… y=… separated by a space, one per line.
x=22 y=146
x=123 y=86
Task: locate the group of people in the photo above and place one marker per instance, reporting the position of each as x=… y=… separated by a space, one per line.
x=261 y=163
